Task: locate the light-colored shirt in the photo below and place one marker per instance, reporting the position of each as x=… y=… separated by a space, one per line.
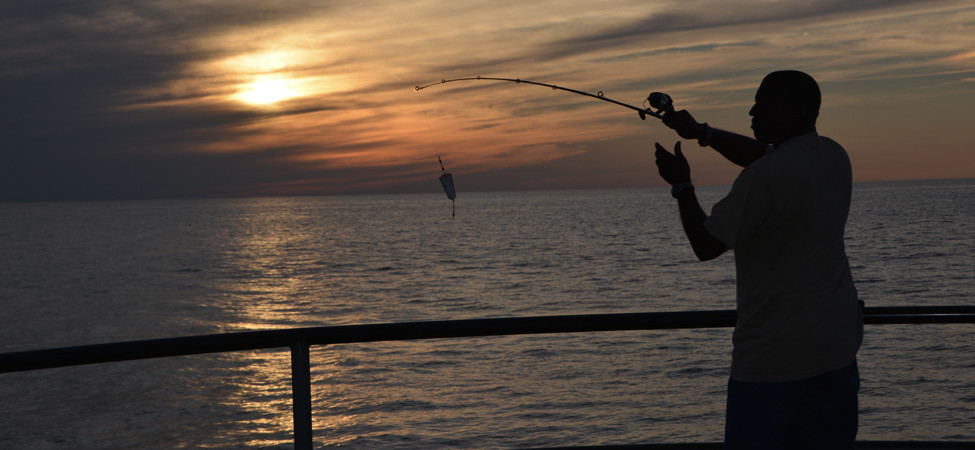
x=798 y=312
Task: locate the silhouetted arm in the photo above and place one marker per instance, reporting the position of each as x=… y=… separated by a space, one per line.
x=739 y=149
x=692 y=217
x=674 y=169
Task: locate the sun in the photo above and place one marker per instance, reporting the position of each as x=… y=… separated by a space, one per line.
x=267 y=90
x=267 y=78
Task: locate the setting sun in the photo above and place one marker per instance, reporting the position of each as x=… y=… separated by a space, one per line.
x=267 y=90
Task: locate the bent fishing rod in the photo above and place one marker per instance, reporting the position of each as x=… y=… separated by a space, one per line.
x=656 y=104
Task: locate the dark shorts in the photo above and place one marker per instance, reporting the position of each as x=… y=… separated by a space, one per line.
x=817 y=413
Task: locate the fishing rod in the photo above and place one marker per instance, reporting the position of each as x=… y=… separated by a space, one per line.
x=655 y=105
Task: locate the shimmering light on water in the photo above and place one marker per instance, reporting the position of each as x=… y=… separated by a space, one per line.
x=98 y=272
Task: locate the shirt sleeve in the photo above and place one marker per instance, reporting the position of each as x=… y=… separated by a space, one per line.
x=741 y=214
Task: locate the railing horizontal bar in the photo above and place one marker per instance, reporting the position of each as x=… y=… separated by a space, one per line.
x=915 y=445
x=876 y=445
x=254 y=340
x=881 y=315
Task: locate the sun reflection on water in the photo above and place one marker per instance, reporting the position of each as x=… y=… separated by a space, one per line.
x=272 y=277
x=271 y=267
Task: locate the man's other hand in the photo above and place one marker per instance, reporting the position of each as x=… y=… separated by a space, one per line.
x=672 y=167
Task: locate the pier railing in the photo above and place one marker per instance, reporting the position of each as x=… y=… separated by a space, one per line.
x=299 y=340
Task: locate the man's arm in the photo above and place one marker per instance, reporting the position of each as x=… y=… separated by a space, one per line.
x=739 y=149
x=674 y=169
x=692 y=217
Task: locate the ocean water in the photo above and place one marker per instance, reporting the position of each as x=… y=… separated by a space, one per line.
x=85 y=273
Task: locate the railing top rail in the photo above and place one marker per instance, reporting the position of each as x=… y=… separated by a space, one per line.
x=254 y=340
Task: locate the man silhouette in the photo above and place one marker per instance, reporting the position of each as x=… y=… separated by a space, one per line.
x=794 y=378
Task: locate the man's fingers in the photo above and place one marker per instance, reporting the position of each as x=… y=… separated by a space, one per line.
x=667 y=119
x=661 y=151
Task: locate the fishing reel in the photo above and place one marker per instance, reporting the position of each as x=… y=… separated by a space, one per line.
x=658 y=101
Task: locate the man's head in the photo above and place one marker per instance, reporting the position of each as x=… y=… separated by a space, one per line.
x=786 y=106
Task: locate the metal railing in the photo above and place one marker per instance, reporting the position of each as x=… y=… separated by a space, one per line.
x=300 y=340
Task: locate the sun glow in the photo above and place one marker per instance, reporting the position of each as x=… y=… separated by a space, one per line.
x=267 y=90
x=270 y=77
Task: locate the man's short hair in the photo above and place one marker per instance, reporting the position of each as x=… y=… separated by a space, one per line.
x=796 y=88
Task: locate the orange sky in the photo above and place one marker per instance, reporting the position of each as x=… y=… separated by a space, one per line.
x=241 y=98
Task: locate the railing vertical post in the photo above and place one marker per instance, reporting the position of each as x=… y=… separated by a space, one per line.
x=301 y=394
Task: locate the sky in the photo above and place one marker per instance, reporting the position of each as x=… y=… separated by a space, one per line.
x=118 y=100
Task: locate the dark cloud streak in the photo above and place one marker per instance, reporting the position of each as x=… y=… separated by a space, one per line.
x=644 y=29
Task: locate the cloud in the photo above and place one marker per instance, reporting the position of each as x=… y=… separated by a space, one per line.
x=113 y=99
x=704 y=17
x=963 y=56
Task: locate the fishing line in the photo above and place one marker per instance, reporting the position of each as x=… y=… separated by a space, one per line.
x=656 y=104
x=446 y=178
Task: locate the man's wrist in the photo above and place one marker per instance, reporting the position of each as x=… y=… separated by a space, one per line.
x=706 y=134
x=681 y=188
